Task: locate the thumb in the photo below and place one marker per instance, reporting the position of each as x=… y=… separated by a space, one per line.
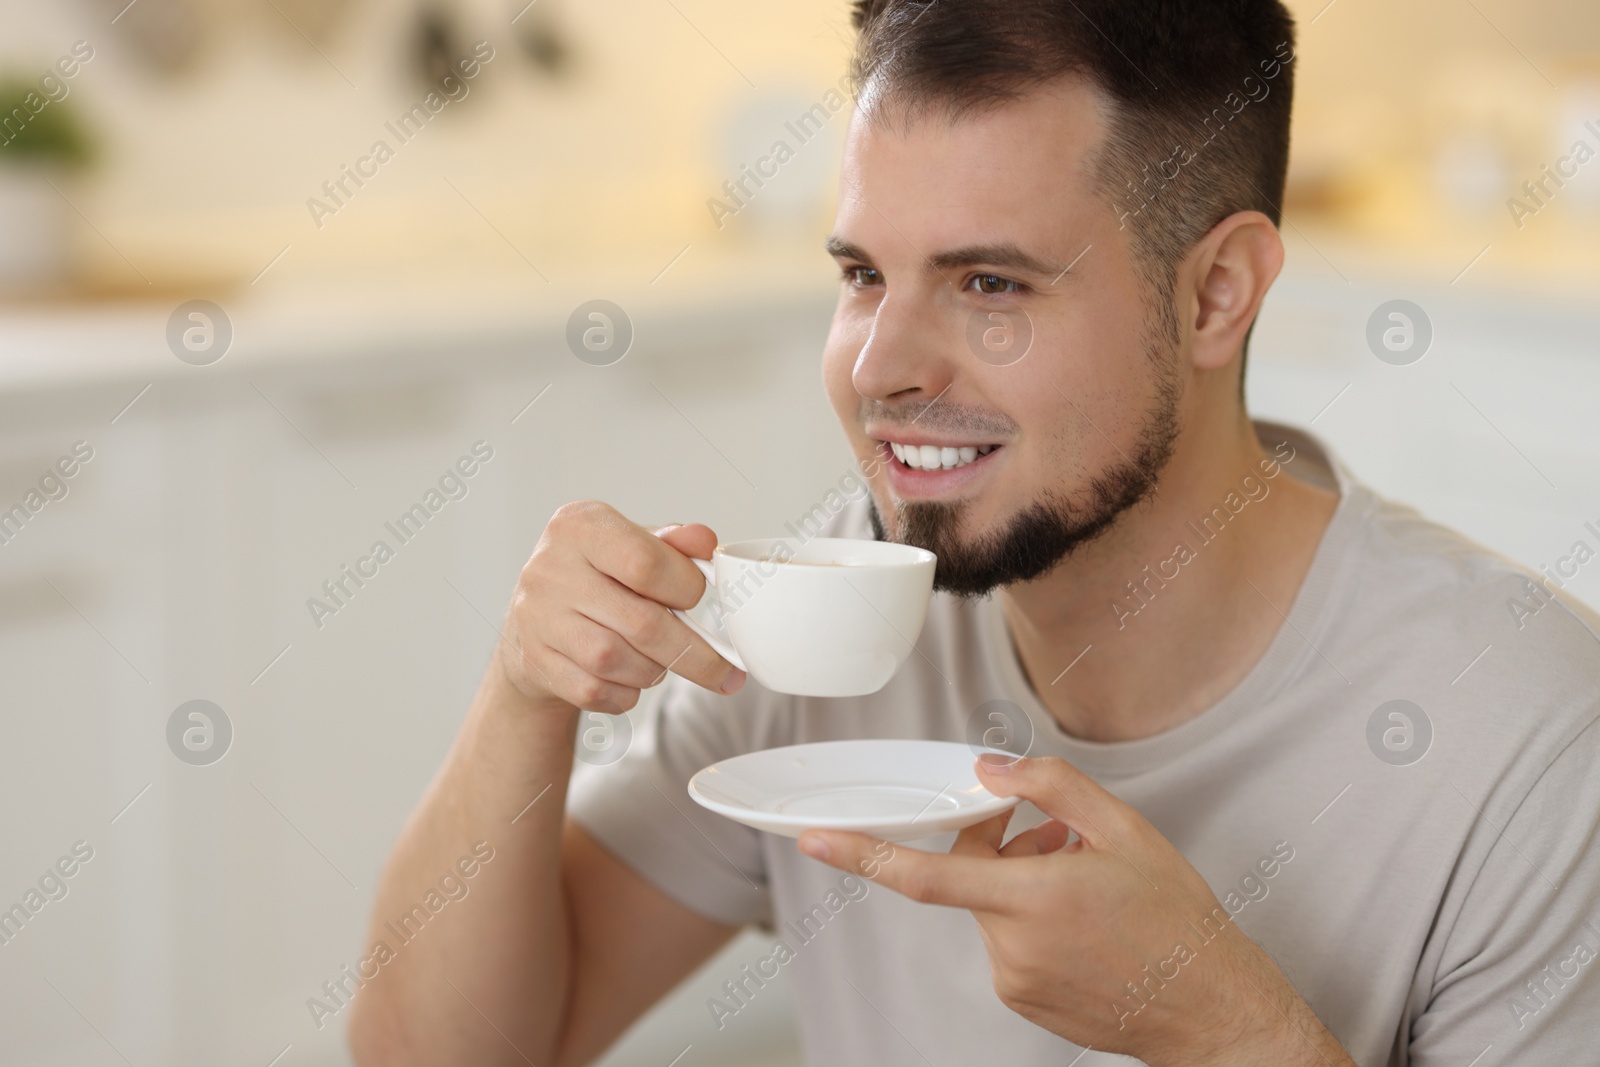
x=1062 y=792
x=694 y=540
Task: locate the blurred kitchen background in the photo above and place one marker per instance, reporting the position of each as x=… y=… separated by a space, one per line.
x=245 y=449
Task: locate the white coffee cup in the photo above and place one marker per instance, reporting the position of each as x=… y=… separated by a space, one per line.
x=828 y=617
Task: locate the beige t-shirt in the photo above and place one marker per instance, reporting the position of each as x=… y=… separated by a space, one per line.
x=1431 y=911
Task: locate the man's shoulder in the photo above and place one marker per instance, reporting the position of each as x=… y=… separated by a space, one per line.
x=1452 y=616
x=1441 y=571
x=1409 y=592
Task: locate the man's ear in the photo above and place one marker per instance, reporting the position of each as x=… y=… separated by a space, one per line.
x=1230 y=269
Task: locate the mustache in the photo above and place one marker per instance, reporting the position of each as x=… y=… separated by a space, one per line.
x=937 y=416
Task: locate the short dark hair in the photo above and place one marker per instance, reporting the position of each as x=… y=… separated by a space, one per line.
x=1189 y=141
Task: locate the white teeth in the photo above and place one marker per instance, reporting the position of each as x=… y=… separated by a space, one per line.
x=938 y=457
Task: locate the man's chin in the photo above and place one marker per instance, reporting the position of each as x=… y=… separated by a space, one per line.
x=966 y=565
x=1019 y=548
x=921 y=524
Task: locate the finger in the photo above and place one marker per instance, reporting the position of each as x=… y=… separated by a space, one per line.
x=698 y=541
x=926 y=877
x=695 y=539
x=606 y=654
x=659 y=636
x=578 y=687
x=655 y=564
x=649 y=565
x=1040 y=840
x=983 y=838
x=1064 y=793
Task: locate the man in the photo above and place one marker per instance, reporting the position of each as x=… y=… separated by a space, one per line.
x=1271 y=818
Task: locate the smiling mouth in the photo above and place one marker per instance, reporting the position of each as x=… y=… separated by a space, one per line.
x=937 y=457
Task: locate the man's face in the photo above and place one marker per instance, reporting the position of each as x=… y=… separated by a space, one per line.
x=955 y=242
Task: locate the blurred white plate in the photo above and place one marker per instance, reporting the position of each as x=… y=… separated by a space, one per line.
x=895 y=790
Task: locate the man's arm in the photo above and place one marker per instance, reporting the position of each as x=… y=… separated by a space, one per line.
x=1518 y=943
x=529 y=965
x=557 y=947
x=635 y=942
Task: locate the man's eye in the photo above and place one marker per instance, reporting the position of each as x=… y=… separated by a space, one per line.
x=993 y=285
x=860 y=276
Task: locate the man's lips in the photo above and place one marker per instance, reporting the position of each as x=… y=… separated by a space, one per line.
x=925 y=466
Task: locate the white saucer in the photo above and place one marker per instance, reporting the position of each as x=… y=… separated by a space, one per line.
x=895 y=790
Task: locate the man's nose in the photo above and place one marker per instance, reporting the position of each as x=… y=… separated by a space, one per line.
x=906 y=351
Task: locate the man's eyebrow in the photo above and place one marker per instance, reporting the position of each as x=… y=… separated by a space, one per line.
x=839 y=248
x=1000 y=254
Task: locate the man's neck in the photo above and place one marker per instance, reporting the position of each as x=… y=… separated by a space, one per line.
x=1153 y=623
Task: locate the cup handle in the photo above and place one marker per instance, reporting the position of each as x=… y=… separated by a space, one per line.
x=723 y=648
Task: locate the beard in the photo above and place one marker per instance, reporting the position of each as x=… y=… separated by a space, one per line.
x=1037 y=538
